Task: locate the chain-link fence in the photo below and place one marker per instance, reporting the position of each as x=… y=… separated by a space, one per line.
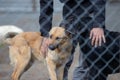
x=79 y=18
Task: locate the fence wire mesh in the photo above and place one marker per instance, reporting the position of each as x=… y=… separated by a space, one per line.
x=79 y=18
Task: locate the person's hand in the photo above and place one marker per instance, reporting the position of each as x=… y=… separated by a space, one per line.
x=44 y=46
x=97 y=36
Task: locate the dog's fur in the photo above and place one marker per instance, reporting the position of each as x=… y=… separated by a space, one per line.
x=27 y=45
x=59 y=51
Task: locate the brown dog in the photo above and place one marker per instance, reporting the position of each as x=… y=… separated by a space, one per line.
x=60 y=47
x=27 y=45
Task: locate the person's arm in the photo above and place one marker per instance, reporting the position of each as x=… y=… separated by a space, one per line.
x=99 y=13
x=46 y=14
x=97 y=33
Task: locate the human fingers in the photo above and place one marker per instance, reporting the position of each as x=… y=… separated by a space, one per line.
x=96 y=40
x=100 y=40
x=103 y=38
x=93 y=40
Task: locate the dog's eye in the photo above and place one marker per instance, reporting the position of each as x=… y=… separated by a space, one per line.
x=57 y=38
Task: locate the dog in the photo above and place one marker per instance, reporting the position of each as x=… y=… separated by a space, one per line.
x=25 y=47
x=60 y=46
x=5 y=29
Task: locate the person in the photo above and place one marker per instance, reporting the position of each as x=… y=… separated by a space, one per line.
x=85 y=20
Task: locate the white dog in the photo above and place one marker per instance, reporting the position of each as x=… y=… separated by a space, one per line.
x=5 y=29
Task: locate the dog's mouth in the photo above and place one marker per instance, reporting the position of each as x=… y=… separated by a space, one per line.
x=53 y=47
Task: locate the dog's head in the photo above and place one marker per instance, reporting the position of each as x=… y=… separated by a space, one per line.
x=58 y=37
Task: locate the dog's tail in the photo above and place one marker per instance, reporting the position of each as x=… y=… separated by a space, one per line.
x=7 y=32
x=9 y=36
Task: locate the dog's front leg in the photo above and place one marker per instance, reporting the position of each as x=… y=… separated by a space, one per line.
x=60 y=72
x=52 y=69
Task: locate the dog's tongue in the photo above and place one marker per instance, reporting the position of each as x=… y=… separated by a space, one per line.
x=44 y=47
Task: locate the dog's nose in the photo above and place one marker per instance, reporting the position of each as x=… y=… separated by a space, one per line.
x=51 y=47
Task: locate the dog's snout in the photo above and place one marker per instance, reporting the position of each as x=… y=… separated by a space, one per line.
x=52 y=47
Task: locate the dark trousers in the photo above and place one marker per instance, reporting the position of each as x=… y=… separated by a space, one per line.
x=96 y=63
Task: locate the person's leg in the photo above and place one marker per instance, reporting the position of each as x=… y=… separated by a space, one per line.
x=46 y=16
x=81 y=71
x=89 y=60
x=101 y=61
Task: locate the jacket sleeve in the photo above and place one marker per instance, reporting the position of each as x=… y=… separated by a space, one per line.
x=46 y=14
x=99 y=13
